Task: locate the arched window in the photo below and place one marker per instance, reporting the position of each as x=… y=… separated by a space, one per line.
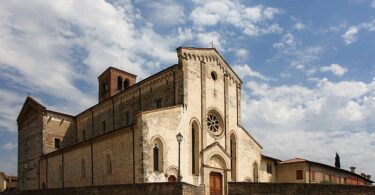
x=157 y=154
x=214 y=75
x=105 y=87
x=255 y=172
x=195 y=148
x=108 y=163
x=233 y=155
x=156 y=157
x=126 y=83
x=83 y=168
x=119 y=83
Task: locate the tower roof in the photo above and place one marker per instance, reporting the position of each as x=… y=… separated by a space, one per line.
x=113 y=68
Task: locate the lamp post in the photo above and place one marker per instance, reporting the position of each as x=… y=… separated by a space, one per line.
x=179 y=140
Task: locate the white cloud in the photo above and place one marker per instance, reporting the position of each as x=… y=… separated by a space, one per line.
x=254 y=21
x=314 y=122
x=49 y=47
x=290 y=51
x=336 y=69
x=299 y=26
x=298 y=57
x=373 y=4
x=300 y=67
x=242 y=53
x=9 y=146
x=10 y=102
x=245 y=71
x=165 y=13
x=287 y=40
x=350 y=36
x=184 y=34
x=205 y=38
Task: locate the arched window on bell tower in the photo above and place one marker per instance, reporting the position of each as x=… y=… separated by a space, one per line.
x=126 y=83
x=120 y=85
x=104 y=87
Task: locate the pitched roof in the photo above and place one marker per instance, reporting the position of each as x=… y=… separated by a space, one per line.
x=274 y=159
x=216 y=144
x=30 y=101
x=111 y=67
x=293 y=160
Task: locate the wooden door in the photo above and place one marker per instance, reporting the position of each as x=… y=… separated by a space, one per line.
x=215 y=183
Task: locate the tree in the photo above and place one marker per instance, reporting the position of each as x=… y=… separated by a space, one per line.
x=337 y=161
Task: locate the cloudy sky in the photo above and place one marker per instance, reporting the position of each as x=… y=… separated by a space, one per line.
x=308 y=68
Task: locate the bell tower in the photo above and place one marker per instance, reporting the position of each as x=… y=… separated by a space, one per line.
x=113 y=81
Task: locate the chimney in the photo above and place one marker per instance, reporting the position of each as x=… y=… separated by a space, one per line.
x=352 y=169
x=368 y=177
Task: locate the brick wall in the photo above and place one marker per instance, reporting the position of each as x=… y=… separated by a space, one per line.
x=60 y=127
x=238 y=188
x=148 y=188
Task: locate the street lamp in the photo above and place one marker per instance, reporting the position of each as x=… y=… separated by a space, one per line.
x=179 y=140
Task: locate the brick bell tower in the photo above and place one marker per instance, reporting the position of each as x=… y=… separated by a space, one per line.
x=113 y=81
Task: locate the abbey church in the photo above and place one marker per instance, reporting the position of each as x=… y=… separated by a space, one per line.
x=130 y=135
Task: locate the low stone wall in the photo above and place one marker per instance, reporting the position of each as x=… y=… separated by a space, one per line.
x=238 y=188
x=123 y=189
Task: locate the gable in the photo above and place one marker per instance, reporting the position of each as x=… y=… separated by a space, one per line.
x=215 y=149
x=208 y=55
x=30 y=109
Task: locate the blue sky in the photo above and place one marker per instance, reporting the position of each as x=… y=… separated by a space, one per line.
x=308 y=66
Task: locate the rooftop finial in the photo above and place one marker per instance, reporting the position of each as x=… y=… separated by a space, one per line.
x=212 y=44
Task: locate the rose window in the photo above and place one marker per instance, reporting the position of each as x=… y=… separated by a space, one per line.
x=213 y=124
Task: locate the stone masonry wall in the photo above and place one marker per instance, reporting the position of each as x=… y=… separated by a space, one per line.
x=74 y=167
x=238 y=188
x=121 y=110
x=29 y=150
x=124 y=189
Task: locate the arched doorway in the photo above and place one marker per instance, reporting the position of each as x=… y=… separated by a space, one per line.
x=216 y=183
x=172 y=178
x=217 y=174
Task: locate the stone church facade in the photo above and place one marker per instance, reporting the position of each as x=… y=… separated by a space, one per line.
x=130 y=135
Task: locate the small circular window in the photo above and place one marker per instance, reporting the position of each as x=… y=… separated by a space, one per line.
x=213 y=75
x=214 y=124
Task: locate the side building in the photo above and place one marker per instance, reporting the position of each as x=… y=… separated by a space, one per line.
x=7 y=182
x=268 y=169
x=300 y=170
x=130 y=135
